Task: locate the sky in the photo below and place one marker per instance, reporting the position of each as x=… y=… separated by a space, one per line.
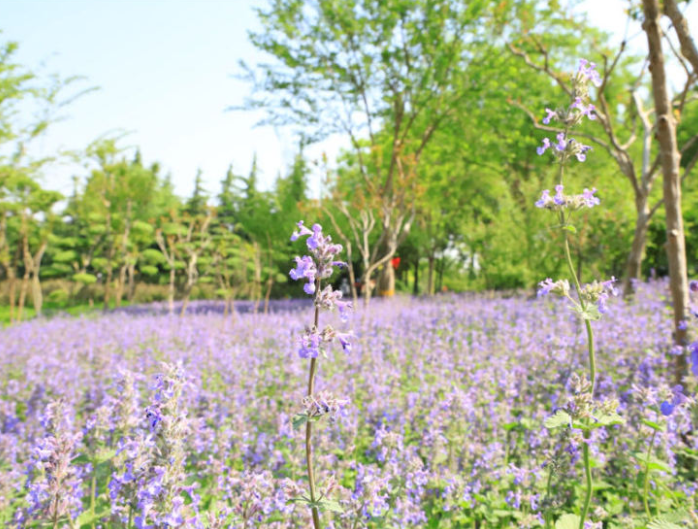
x=165 y=70
x=166 y=75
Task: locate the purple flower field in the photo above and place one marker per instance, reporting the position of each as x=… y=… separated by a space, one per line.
x=435 y=418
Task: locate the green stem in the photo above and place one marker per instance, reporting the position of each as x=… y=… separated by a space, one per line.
x=592 y=365
x=592 y=377
x=645 y=495
x=590 y=483
x=547 y=496
x=93 y=492
x=309 y=448
x=587 y=323
x=309 y=425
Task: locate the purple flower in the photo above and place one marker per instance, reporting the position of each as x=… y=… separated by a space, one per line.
x=305 y=269
x=316 y=238
x=345 y=341
x=584 y=110
x=609 y=284
x=581 y=152
x=545 y=287
x=544 y=199
x=589 y=199
x=309 y=344
x=693 y=286
x=551 y=114
x=302 y=230
x=561 y=144
x=545 y=147
x=559 y=198
x=154 y=416
x=321 y=261
x=666 y=408
x=587 y=70
x=678 y=399
x=693 y=348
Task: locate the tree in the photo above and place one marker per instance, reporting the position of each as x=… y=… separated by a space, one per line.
x=618 y=124
x=196 y=204
x=29 y=104
x=670 y=161
x=386 y=75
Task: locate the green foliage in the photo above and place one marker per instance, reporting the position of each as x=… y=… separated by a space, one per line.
x=561 y=418
x=85 y=279
x=568 y=521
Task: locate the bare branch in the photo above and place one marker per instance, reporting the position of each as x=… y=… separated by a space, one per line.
x=688 y=46
x=545 y=69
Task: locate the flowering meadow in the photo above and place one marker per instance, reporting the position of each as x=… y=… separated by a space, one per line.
x=435 y=418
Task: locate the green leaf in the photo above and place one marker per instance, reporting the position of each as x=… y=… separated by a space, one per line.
x=299 y=420
x=652 y=463
x=66 y=256
x=561 y=418
x=610 y=419
x=661 y=523
x=322 y=505
x=329 y=506
x=570 y=228
x=149 y=270
x=299 y=500
x=653 y=425
x=568 y=521
x=590 y=312
x=86 y=279
x=86 y=520
x=656 y=464
x=105 y=455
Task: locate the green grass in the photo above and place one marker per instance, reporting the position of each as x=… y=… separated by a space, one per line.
x=52 y=309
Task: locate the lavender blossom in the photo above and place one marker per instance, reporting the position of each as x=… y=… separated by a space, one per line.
x=564 y=148
x=569 y=202
x=587 y=72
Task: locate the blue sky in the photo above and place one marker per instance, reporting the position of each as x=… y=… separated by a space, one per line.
x=165 y=71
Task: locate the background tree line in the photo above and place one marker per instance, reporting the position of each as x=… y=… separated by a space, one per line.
x=441 y=106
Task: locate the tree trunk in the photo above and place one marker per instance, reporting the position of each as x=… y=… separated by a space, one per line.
x=440 y=268
x=131 y=292
x=670 y=158
x=185 y=302
x=23 y=294
x=633 y=264
x=366 y=287
x=415 y=286
x=171 y=289
x=120 y=285
x=267 y=296
x=352 y=276
x=124 y=255
x=430 y=275
x=107 y=282
x=257 y=278
x=191 y=281
x=231 y=301
x=12 y=290
x=387 y=281
x=37 y=295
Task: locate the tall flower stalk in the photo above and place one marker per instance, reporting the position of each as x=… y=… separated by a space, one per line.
x=313 y=268
x=589 y=302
